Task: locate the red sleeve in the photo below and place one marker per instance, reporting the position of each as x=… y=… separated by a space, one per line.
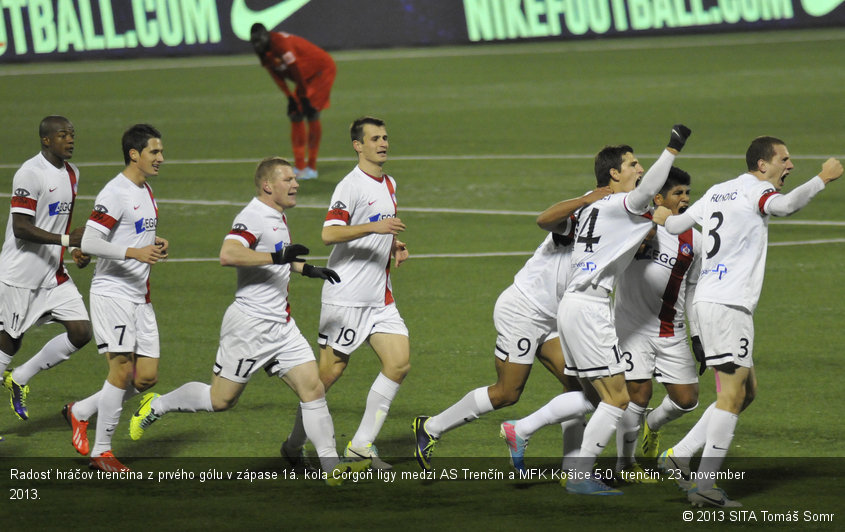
x=764 y=198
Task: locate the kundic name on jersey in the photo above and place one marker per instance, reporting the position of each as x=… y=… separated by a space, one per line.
x=651 y=294
x=543 y=278
x=262 y=290
x=128 y=215
x=362 y=264
x=734 y=225
x=46 y=193
x=608 y=236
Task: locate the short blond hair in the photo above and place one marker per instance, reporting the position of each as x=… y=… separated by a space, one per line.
x=266 y=167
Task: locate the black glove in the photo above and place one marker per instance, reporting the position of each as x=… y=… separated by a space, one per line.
x=680 y=134
x=293 y=107
x=289 y=253
x=698 y=351
x=307 y=109
x=320 y=273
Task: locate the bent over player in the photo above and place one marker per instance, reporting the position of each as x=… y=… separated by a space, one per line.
x=312 y=71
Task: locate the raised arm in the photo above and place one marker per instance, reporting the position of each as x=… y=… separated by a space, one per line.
x=554 y=218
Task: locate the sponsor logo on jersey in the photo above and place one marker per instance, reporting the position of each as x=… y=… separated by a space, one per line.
x=654 y=254
x=22 y=192
x=377 y=217
x=239 y=227
x=587 y=266
x=720 y=269
x=145 y=224
x=60 y=207
x=101 y=209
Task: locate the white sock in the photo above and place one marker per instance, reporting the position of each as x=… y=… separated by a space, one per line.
x=190 y=397
x=5 y=360
x=720 y=434
x=472 y=406
x=627 y=434
x=318 y=425
x=381 y=395
x=52 y=354
x=108 y=414
x=84 y=409
x=695 y=438
x=573 y=436
x=666 y=412
x=297 y=437
x=565 y=406
x=598 y=432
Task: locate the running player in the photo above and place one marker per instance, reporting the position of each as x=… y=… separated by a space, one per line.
x=34 y=286
x=609 y=233
x=121 y=231
x=525 y=321
x=650 y=303
x=734 y=217
x=258 y=331
x=362 y=225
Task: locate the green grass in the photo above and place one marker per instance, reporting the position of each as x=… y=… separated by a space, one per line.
x=502 y=128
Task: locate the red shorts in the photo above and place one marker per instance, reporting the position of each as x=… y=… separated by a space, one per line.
x=320 y=86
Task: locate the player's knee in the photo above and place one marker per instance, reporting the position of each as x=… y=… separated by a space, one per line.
x=296 y=117
x=144 y=383
x=219 y=404
x=80 y=333
x=501 y=396
x=312 y=115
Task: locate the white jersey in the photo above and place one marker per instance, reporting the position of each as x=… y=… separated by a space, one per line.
x=46 y=193
x=651 y=294
x=543 y=278
x=262 y=290
x=608 y=236
x=363 y=264
x=735 y=227
x=127 y=214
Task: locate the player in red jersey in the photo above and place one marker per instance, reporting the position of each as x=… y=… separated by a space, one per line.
x=312 y=70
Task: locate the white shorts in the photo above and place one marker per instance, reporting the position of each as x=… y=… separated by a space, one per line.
x=248 y=344
x=588 y=336
x=727 y=334
x=669 y=360
x=521 y=327
x=345 y=329
x=121 y=326
x=24 y=308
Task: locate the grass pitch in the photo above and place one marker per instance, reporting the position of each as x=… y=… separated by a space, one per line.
x=482 y=139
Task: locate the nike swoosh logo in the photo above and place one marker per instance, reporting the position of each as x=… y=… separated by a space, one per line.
x=137 y=207
x=371 y=202
x=600 y=446
x=720 y=448
x=820 y=8
x=718 y=502
x=54 y=188
x=243 y=17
